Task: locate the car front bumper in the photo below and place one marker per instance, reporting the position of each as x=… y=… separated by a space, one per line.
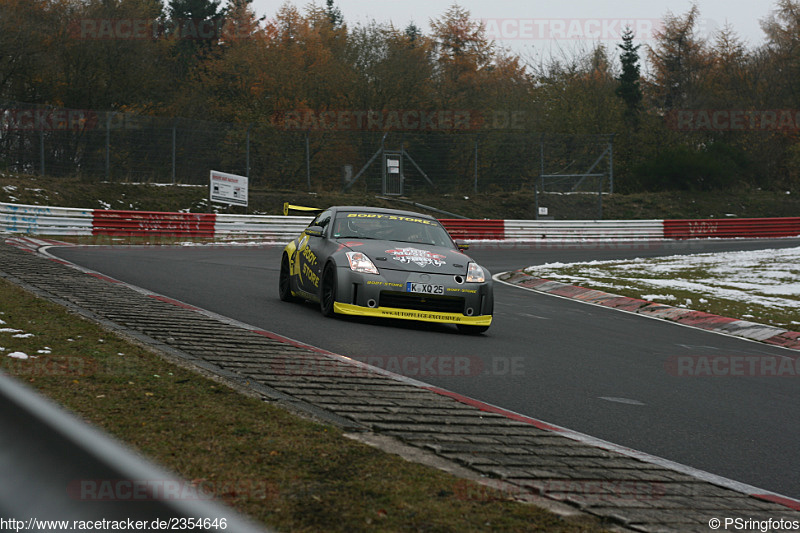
x=384 y=295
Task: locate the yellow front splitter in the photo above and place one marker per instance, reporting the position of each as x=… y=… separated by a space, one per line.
x=411 y=314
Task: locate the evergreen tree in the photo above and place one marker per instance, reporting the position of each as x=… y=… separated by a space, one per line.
x=629 y=89
x=196 y=28
x=334 y=14
x=413 y=32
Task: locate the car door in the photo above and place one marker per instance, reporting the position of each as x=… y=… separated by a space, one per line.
x=309 y=254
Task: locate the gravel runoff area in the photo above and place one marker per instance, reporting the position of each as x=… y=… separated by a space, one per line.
x=528 y=459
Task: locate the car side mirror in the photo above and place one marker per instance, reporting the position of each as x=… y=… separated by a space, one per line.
x=463 y=246
x=314 y=231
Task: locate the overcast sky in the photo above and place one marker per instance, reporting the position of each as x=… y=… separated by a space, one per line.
x=525 y=25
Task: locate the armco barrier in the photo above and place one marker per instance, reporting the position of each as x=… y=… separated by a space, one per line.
x=567 y=230
x=732 y=228
x=263 y=228
x=39 y=220
x=143 y=223
x=467 y=229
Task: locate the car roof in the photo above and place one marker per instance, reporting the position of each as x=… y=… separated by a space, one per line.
x=381 y=210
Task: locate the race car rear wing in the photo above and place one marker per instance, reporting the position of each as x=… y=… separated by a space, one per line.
x=300 y=210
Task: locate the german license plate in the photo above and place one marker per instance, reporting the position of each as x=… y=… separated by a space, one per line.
x=425 y=288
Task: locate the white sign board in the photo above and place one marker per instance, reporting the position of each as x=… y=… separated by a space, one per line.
x=542 y=211
x=228 y=188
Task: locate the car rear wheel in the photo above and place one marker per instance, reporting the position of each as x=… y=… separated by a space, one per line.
x=471 y=330
x=327 y=297
x=285 y=282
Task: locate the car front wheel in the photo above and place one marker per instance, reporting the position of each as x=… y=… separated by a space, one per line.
x=327 y=297
x=285 y=282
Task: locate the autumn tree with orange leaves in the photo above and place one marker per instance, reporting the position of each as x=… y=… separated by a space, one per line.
x=256 y=70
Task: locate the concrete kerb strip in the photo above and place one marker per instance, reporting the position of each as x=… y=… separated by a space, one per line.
x=686 y=317
x=445 y=444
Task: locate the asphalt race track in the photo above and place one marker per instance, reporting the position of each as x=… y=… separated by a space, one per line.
x=594 y=370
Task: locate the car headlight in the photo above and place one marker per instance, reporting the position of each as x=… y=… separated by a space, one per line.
x=475 y=273
x=359 y=262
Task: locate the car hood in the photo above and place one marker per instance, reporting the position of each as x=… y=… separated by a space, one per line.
x=412 y=257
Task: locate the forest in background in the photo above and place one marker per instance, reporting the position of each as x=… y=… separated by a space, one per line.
x=707 y=114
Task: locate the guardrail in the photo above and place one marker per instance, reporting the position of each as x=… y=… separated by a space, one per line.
x=584 y=230
x=144 y=223
x=469 y=229
x=269 y=228
x=53 y=462
x=732 y=227
x=38 y=220
x=59 y=221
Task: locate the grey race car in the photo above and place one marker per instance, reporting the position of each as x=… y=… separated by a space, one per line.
x=386 y=263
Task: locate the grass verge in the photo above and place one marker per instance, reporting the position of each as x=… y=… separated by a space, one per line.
x=286 y=472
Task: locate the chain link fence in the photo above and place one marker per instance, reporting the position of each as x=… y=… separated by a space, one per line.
x=123 y=147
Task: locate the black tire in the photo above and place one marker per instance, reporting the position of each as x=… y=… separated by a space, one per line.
x=471 y=330
x=285 y=282
x=327 y=291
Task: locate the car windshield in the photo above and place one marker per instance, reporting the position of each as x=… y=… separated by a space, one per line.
x=384 y=226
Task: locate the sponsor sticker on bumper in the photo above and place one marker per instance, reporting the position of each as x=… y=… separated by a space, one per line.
x=412 y=314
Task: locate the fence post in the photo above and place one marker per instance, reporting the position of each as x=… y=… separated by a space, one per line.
x=611 y=163
x=174 y=148
x=41 y=148
x=600 y=200
x=108 y=145
x=247 y=152
x=475 y=188
x=541 y=160
x=308 y=163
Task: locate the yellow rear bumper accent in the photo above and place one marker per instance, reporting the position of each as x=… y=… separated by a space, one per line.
x=412 y=314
